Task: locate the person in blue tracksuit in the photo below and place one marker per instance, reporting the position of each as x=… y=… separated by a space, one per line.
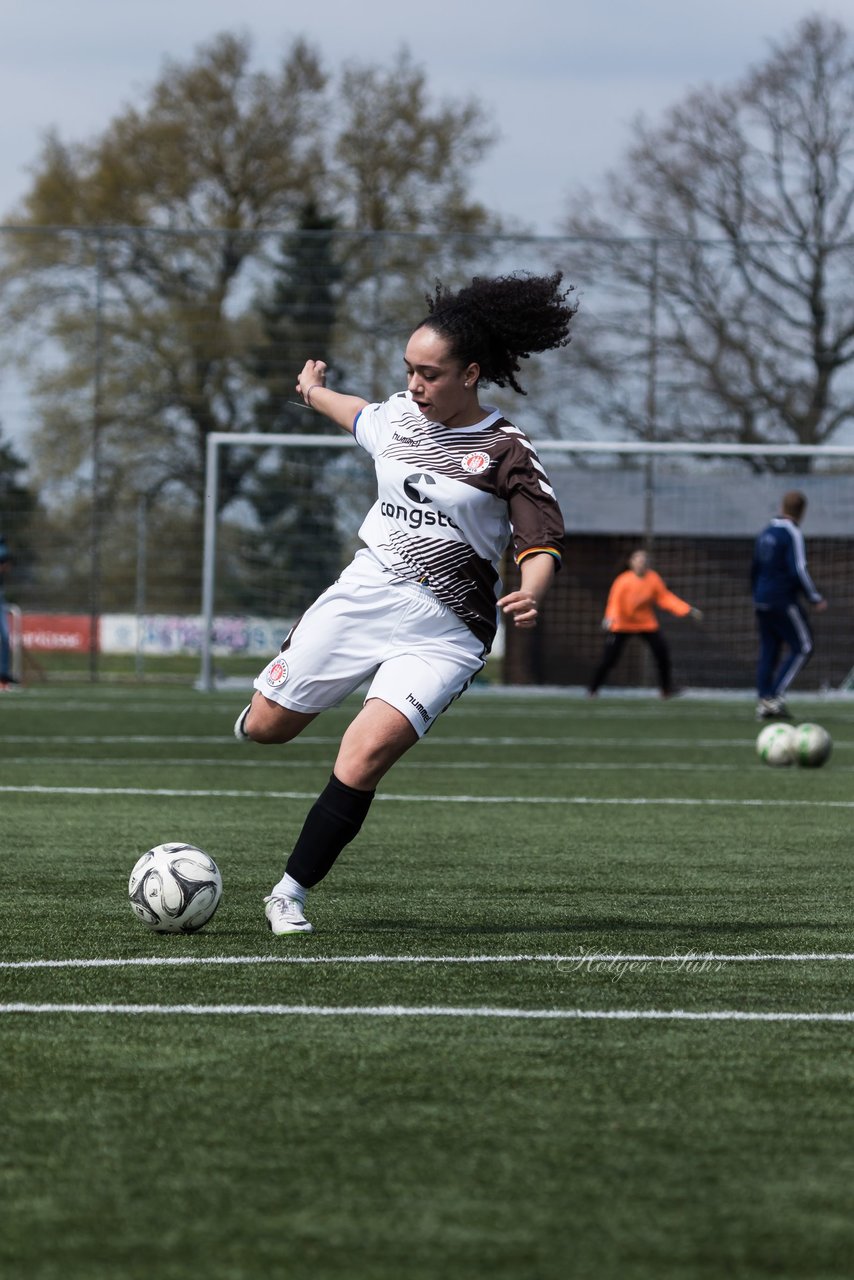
x=780 y=582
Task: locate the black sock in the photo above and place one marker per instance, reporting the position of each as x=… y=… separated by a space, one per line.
x=334 y=820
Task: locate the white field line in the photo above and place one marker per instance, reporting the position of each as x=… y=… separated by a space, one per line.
x=433 y=1011
x=185 y=762
x=311 y=740
x=146 y=738
x=554 y=703
x=390 y=797
x=580 y=960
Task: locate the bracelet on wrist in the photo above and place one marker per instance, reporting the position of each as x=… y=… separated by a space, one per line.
x=307 y=393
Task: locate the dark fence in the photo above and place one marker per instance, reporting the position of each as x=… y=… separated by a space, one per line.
x=711 y=573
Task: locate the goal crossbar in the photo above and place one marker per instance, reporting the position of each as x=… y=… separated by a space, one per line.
x=626 y=448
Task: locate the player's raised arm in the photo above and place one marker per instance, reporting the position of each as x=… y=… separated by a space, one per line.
x=341 y=409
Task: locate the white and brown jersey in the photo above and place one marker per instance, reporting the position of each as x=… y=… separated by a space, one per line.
x=450 y=500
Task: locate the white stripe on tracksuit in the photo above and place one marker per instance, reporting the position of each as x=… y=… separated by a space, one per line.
x=800 y=551
x=806 y=646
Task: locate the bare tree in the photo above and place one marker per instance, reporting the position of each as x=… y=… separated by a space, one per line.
x=720 y=302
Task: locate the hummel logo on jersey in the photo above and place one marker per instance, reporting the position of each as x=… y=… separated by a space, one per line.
x=418 y=477
x=402 y=439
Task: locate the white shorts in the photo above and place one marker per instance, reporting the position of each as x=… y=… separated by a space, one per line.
x=416 y=652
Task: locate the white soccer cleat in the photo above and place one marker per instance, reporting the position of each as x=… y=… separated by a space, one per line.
x=239 y=732
x=772 y=709
x=284 y=915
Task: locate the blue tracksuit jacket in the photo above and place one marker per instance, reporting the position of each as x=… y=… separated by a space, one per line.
x=779 y=580
x=779 y=574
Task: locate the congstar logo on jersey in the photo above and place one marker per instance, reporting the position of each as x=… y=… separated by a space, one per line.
x=414 y=494
x=419 y=517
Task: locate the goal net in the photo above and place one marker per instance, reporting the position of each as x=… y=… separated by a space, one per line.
x=695 y=508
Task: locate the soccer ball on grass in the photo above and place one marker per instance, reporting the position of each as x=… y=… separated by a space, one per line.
x=812 y=746
x=776 y=744
x=175 y=888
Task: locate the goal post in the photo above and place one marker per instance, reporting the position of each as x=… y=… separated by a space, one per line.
x=697 y=506
x=216 y=441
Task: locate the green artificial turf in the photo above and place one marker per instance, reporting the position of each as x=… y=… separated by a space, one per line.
x=360 y=1111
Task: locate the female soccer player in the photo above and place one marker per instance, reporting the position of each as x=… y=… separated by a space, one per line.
x=634 y=596
x=415 y=611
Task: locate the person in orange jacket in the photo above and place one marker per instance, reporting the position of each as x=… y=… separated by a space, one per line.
x=634 y=596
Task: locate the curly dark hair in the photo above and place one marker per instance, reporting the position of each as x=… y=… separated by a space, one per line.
x=496 y=323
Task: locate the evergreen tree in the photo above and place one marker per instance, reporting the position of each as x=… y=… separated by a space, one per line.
x=296 y=543
x=18 y=510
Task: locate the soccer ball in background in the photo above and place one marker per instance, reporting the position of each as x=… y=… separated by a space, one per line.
x=812 y=745
x=175 y=888
x=776 y=744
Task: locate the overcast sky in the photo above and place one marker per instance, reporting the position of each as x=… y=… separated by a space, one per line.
x=561 y=79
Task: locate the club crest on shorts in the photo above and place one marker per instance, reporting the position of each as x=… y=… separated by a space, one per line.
x=277 y=673
x=475 y=462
